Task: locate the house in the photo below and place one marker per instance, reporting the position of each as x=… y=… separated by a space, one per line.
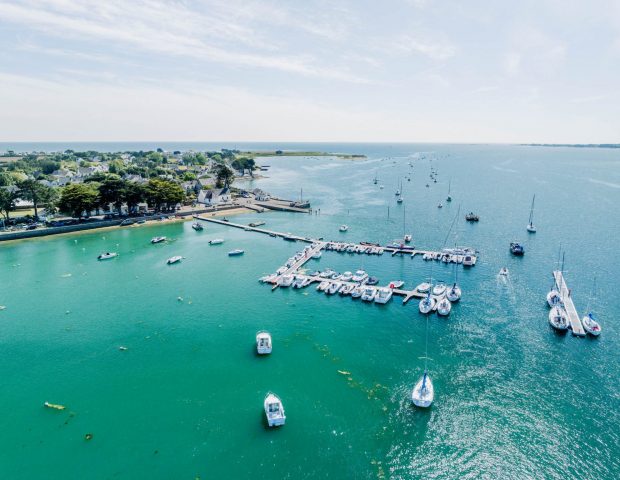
x=191 y=186
x=135 y=179
x=216 y=196
x=260 y=195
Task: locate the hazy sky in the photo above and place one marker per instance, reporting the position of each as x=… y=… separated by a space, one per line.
x=310 y=70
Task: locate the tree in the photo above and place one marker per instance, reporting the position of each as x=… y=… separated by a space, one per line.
x=163 y=194
x=112 y=190
x=78 y=198
x=7 y=201
x=224 y=176
x=134 y=194
x=34 y=191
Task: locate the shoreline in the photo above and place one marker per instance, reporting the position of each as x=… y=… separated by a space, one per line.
x=148 y=223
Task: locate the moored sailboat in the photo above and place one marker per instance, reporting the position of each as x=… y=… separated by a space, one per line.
x=530 y=226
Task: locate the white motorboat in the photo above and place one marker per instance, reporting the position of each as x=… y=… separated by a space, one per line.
x=554 y=298
x=175 y=259
x=503 y=272
x=198 y=227
x=236 y=252
x=326 y=273
x=423 y=393
x=263 y=343
x=318 y=254
x=590 y=325
x=107 y=256
x=444 y=307
x=298 y=282
x=357 y=292
x=454 y=293
x=530 y=226
x=469 y=260
x=346 y=277
x=286 y=280
x=383 y=295
x=399 y=199
x=439 y=289
x=359 y=276
x=396 y=284
x=407 y=238
x=216 y=241
x=440 y=205
x=274 y=410
x=158 y=239
x=368 y=294
x=558 y=318
x=346 y=289
x=424 y=287
x=427 y=304
x=333 y=288
x=321 y=287
x=343 y=228
x=306 y=282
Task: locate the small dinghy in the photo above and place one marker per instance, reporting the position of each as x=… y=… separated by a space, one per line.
x=558 y=319
x=263 y=343
x=503 y=272
x=234 y=253
x=427 y=304
x=274 y=410
x=444 y=307
x=107 y=256
x=216 y=241
x=175 y=259
x=343 y=228
x=158 y=239
x=407 y=238
x=372 y=281
x=423 y=393
x=197 y=226
x=590 y=325
x=396 y=284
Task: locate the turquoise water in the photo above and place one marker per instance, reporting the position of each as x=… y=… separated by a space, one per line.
x=513 y=399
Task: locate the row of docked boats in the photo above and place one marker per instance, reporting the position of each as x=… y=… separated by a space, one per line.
x=460 y=255
x=369 y=249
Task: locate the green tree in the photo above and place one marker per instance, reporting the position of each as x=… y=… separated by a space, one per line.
x=7 y=201
x=163 y=194
x=78 y=199
x=34 y=191
x=112 y=190
x=134 y=194
x=224 y=176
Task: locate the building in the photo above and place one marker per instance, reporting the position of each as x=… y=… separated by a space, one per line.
x=217 y=196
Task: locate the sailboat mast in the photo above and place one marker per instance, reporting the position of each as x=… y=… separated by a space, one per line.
x=532 y=210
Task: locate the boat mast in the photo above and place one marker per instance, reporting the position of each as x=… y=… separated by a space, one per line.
x=532 y=210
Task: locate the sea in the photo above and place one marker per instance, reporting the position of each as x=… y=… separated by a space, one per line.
x=183 y=398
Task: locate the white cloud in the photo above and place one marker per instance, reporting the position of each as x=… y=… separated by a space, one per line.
x=433 y=49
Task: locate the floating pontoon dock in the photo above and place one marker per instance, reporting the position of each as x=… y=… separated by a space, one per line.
x=569 y=306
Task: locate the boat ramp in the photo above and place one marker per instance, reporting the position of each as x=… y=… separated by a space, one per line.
x=569 y=306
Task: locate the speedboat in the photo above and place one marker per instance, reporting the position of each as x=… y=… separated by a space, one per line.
x=439 y=289
x=424 y=287
x=216 y=241
x=558 y=319
x=444 y=307
x=396 y=284
x=472 y=217
x=158 y=239
x=274 y=410
x=234 y=253
x=197 y=226
x=369 y=294
x=427 y=304
x=175 y=259
x=407 y=238
x=318 y=254
x=263 y=343
x=357 y=292
x=372 y=281
x=554 y=298
x=469 y=260
x=343 y=228
x=359 y=276
x=423 y=393
x=503 y=272
x=327 y=273
x=383 y=295
x=517 y=249
x=399 y=199
x=298 y=282
x=333 y=288
x=286 y=280
x=346 y=289
x=322 y=286
x=107 y=256
x=346 y=276
x=590 y=325
x=440 y=206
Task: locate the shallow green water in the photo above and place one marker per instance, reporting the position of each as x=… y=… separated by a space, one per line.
x=513 y=400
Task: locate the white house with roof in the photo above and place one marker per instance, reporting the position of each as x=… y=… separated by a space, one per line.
x=215 y=196
x=261 y=195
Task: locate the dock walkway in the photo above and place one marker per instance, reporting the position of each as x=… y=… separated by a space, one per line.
x=569 y=306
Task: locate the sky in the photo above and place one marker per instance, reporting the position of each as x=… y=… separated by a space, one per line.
x=544 y=71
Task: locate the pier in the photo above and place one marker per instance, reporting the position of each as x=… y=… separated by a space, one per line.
x=569 y=306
